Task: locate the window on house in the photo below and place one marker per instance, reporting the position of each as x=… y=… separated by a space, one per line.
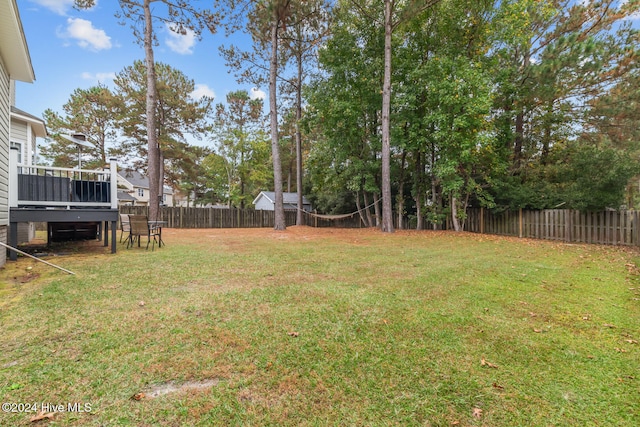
x=141 y=192
x=19 y=147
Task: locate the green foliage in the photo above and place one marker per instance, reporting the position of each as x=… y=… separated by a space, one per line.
x=578 y=176
x=509 y=104
x=91 y=112
x=596 y=177
x=518 y=103
x=242 y=144
x=344 y=107
x=177 y=116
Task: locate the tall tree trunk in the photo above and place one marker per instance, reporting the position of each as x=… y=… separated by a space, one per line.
x=519 y=141
x=519 y=125
x=376 y=210
x=418 y=190
x=546 y=139
x=367 y=209
x=387 y=219
x=299 y=217
x=279 y=223
x=153 y=165
x=419 y=219
x=290 y=168
x=362 y=218
x=454 y=213
x=400 y=197
x=160 y=184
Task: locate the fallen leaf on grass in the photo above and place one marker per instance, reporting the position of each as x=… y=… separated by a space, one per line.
x=498 y=386
x=294 y=334
x=537 y=331
x=483 y=362
x=141 y=303
x=42 y=416
x=620 y=350
x=608 y=325
x=138 y=396
x=632 y=341
x=477 y=412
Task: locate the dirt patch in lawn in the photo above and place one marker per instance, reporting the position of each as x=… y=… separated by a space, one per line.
x=171 y=387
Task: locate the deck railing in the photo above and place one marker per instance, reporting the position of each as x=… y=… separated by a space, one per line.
x=55 y=187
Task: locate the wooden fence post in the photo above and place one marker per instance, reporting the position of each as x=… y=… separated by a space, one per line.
x=636 y=227
x=520 y=223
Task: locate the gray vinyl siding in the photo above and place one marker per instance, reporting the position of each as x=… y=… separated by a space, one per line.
x=5 y=119
x=18 y=131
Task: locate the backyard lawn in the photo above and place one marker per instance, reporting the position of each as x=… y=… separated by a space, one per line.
x=324 y=327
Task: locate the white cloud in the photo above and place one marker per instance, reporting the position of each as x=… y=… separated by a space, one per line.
x=202 y=90
x=85 y=35
x=57 y=6
x=181 y=43
x=256 y=93
x=98 y=77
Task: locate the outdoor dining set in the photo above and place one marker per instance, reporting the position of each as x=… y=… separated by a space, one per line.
x=136 y=227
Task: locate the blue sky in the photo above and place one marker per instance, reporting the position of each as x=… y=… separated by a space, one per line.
x=73 y=49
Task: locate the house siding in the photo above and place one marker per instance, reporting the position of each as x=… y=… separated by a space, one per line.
x=135 y=189
x=5 y=119
x=264 y=204
x=19 y=135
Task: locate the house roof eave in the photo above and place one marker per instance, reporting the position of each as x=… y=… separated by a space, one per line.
x=13 y=44
x=38 y=125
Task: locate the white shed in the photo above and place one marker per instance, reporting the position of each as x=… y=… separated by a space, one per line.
x=266 y=201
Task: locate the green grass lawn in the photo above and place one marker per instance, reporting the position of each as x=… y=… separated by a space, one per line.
x=327 y=327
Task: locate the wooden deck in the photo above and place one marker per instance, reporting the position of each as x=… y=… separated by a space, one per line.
x=62 y=195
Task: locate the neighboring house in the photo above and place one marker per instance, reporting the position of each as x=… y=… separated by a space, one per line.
x=266 y=201
x=15 y=64
x=136 y=185
x=180 y=199
x=25 y=128
x=125 y=199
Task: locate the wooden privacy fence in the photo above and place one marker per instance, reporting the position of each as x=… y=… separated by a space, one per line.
x=181 y=217
x=607 y=227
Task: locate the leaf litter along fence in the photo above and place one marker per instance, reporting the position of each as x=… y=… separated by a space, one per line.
x=606 y=227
